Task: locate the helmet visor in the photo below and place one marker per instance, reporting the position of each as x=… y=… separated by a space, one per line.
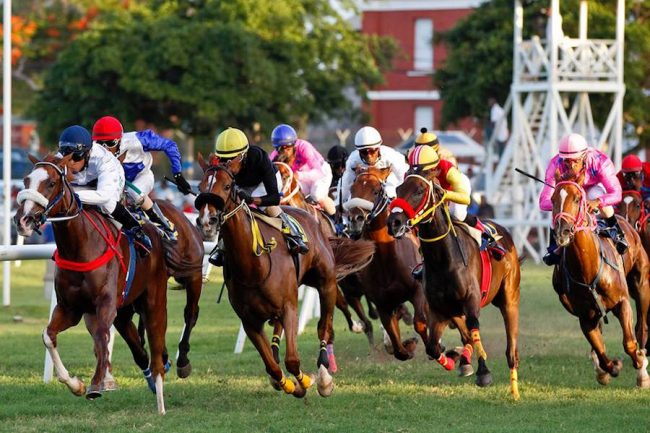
x=109 y=144
x=76 y=149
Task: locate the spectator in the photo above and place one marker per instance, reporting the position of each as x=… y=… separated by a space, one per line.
x=498 y=126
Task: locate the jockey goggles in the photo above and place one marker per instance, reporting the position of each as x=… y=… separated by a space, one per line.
x=109 y=144
x=72 y=148
x=368 y=151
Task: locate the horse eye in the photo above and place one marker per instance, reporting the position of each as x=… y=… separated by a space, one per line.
x=576 y=200
x=214 y=220
x=227 y=187
x=52 y=184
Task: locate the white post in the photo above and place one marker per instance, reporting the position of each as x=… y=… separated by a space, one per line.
x=307 y=308
x=583 y=20
x=6 y=144
x=617 y=133
x=241 y=339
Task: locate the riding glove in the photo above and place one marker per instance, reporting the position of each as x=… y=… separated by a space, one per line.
x=182 y=184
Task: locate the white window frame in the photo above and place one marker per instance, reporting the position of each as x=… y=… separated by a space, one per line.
x=423 y=112
x=423 y=46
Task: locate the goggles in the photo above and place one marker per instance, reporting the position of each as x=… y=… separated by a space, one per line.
x=109 y=144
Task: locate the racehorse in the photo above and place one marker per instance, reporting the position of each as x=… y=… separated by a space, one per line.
x=593 y=279
x=93 y=259
x=262 y=277
x=633 y=209
x=387 y=281
x=453 y=275
x=293 y=196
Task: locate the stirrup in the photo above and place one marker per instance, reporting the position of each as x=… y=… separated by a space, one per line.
x=217 y=259
x=296 y=244
x=142 y=241
x=418 y=271
x=551 y=259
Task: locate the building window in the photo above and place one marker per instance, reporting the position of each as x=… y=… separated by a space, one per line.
x=423 y=45
x=423 y=118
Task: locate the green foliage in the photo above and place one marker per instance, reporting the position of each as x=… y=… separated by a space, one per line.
x=480 y=60
x=204 y=65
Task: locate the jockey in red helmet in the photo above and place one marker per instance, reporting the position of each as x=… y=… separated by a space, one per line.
x=136 y=148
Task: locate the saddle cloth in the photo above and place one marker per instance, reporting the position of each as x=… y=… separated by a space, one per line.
x=276 y=223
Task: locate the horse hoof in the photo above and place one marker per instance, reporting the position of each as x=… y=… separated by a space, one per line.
x=299 y=391
x=333 y=368
x=324 y=382
x=465 y=370
x=77 y=387
x=275 y=384
x=357 y=327
x=603 y=378
x=109 y=385
x=483 y=380
x=617 y=366
x=643 y=382
x=93 y=392
x=184 y=372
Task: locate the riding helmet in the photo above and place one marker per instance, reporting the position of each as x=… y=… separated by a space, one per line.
x=367 y=137
x=283 y=135
x=75 y=139
x=107 y=128
x=230 y=143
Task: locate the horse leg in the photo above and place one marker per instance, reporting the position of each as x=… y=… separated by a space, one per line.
x=420 y=307
x=326 y=358
x=434 y=347
x=291 y=357
x=602 y=364
x=401 y=350
x=109 y=383
x=483 y=375
x=127 y=329
x=343 y=306
x=193 y=286
x=155 y=322
x=104 y=317
x=372 y=310
x=510 y=312
x=623 y=311
x=275 y=341
x=404 y=314
x=61 y=320
x=466 y=352
x=255 y=332
x=355 y=303
x=637 y=282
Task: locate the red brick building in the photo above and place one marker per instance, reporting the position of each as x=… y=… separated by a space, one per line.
x=408 y=100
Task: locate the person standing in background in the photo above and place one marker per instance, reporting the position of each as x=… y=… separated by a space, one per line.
x=498 y=127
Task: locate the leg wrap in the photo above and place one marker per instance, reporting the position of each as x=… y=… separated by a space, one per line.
x=287 y=385
x=478 y=346
x=447 y=363
x=514 y=384
x=275 y=341
x=304 y=380
x=467 y=353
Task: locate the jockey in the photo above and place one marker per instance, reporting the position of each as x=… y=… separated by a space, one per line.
x=431 y=139
x=313 y=173
x=137 y=148
x=92 y=163
x=457 y=192
x=600 y=183
x=371 y=153
x=337 y=156
x=258 y=184
x=635 y=175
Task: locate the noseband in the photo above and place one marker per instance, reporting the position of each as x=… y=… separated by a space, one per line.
x=370 y=210
x=209 y=197
x=583 y=220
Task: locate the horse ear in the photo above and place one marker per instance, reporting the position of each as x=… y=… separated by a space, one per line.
x=558 y=175
x=385 y=172
x=360 y=169
x=121 y=157
x=63 y=162
x=33 y=159
x=201 y=161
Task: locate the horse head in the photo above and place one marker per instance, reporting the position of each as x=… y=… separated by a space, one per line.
x=417 y=199
x=290 y=185
x=217 y=194
x=368 y=198
x=45 y=192
x=632 y=208
x=570 y=212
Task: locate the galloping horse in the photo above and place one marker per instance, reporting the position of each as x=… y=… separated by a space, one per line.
x=293 y=196
x=593 y=279
x=453 y=275
x=633 y=209
x=387 y=281
x=95 y=267
x=263 y=280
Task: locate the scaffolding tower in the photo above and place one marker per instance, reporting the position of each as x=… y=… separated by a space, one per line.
x=553 y=80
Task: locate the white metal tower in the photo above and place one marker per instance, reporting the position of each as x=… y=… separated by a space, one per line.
x=552 y=81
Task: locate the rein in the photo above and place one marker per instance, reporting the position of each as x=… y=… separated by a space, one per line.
x=583 y=220
x=371 y=210
x=643 y=218
x=287 y=192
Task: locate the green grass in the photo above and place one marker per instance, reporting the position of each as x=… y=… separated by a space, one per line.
x=374 y=392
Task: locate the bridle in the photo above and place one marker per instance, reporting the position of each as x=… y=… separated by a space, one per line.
x=583 y=220
x=369 y=210
x=643 y=217
x=287 y=192
x=209 y=197
x=49 y=204
x=433 y=198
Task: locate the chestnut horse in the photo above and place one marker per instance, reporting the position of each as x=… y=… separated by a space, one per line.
x=452 y=275
x=83 y=236
x=387 y=281
x=633 y=208
x=592 y=278
x=293 y=196
x=262 y=279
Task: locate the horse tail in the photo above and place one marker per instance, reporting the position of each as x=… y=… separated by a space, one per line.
x=179 y=264
x=351 y=256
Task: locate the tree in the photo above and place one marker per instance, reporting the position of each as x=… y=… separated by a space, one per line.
x=204 y=65
x=480 y=61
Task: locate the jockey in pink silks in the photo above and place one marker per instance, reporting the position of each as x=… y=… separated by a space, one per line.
x=600 y=183
x=313 y=172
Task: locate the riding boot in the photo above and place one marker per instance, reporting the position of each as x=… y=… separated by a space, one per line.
x=131 y=226
x=218 y=257
x=551 y=258
x=160 y=220
x=617 y=234
x=293 y=236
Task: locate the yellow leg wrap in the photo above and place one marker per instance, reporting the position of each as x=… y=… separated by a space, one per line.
x=304 y=380
x=275 y=341
x=514 y=384
x=478 y=346
x=287 y=385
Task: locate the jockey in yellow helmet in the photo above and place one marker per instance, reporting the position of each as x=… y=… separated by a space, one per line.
x=430 y=139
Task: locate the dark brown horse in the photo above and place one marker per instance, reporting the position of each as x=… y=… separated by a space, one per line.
x=452 y=275
x=593 y=279
x=293 y=196
x=262 y=279
x=83 y=236
x=387 y=281
x=633 y=208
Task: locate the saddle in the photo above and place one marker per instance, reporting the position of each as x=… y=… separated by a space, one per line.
x=477 y=234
